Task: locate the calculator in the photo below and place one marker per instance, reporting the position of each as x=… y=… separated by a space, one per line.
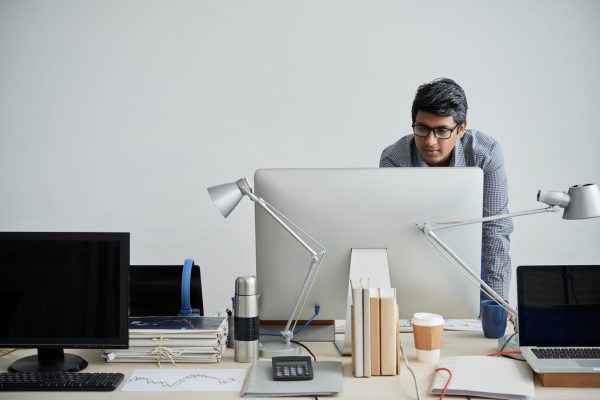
x=292 y=368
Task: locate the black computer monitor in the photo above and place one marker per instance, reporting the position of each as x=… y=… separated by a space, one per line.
x=62 y=290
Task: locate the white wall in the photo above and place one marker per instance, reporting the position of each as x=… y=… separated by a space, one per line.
x=116 y=115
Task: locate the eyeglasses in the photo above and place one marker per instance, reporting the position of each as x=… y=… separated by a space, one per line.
x=440 y=132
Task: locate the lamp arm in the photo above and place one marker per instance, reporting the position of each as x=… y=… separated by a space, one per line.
x=452 y=224
x=315 y=260
x=288 y=331
x=268 y=208
x=464 y=268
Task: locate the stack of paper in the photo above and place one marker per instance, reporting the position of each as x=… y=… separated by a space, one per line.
x=173 y=339
x=375 y=336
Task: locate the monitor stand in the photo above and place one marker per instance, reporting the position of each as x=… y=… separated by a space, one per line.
x=49 y=360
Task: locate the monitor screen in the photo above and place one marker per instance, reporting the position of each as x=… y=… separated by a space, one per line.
x=63 y=290
x=344 y=209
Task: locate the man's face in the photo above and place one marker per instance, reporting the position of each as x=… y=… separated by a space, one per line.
x=436 y=152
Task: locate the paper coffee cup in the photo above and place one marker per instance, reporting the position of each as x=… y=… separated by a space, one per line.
x=428 y=331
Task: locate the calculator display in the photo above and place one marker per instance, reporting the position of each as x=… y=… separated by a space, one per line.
x=292 y=363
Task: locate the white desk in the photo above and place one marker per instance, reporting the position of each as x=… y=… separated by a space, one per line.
x=397 y=387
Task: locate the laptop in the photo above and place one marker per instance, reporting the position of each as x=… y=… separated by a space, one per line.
x=155 y=290
x=559 y=317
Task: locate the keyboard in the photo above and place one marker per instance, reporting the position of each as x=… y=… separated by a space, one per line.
x=566 y=352
x=405 y=325
x=60 y=381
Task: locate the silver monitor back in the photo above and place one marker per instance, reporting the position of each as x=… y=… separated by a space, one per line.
x=368 y=208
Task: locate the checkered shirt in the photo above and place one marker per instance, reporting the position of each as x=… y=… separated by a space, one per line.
x=474 y=149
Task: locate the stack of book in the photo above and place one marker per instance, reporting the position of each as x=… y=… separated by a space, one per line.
x=375 y=336
x=173 y=339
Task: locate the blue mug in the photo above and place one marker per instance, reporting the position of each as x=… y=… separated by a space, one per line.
x=493 y=319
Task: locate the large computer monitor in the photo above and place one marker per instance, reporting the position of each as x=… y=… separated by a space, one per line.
x=62 y=290
x=368 y=208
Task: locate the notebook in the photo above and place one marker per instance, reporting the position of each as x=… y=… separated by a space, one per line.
x=483 y=376
x=559 y=317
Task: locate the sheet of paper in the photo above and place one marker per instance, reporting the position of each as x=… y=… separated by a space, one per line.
x=185 y=380
x=463 y=325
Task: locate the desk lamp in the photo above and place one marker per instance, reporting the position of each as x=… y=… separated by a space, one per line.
x=581 y=202
x=226 y=197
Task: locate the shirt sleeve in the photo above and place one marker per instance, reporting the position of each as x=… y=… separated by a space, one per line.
x=398 y=154
x=387 y=159
x=495 y=239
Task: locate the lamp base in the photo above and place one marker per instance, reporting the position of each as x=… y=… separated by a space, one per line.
x=278 y=347
x=509 y=343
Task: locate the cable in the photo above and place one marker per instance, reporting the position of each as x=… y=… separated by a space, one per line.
x=307 y=349
x=186 y=276
x=447 y=382
x=412 y=372
x=311 y=353
x=502 y=353
x=303 y=327
x=506 y=342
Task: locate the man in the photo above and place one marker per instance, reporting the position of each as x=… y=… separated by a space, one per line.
x=441 y=139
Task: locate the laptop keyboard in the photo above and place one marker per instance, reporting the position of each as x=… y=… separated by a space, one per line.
x=566 y=352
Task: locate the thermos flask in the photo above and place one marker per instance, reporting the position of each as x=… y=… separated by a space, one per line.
x=246 y=325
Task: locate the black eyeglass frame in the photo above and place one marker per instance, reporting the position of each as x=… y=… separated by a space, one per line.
x=436 y=131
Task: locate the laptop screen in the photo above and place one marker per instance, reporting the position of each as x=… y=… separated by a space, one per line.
x=155 y=290
x=559 y=305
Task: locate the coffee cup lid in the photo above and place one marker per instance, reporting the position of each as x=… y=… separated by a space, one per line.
x=427 y=319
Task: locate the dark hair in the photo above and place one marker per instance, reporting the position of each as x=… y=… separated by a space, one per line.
x=442 y=97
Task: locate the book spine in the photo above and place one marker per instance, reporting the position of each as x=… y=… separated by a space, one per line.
x=388 y=331
x=366 y=332
x=357 y=331
x=398 y=350
x=375 y=333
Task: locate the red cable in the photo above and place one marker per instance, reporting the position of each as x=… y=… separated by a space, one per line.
x=447 y=382
x=501 y=353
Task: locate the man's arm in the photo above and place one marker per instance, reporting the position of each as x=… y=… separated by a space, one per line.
x=397 y=154
x=496 y=234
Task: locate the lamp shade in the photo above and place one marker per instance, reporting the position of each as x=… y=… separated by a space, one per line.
x=226 y=197
x=584 y=202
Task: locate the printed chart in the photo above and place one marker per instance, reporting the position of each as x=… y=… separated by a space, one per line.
x=185 y=380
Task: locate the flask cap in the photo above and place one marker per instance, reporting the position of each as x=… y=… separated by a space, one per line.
x=246 y=286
